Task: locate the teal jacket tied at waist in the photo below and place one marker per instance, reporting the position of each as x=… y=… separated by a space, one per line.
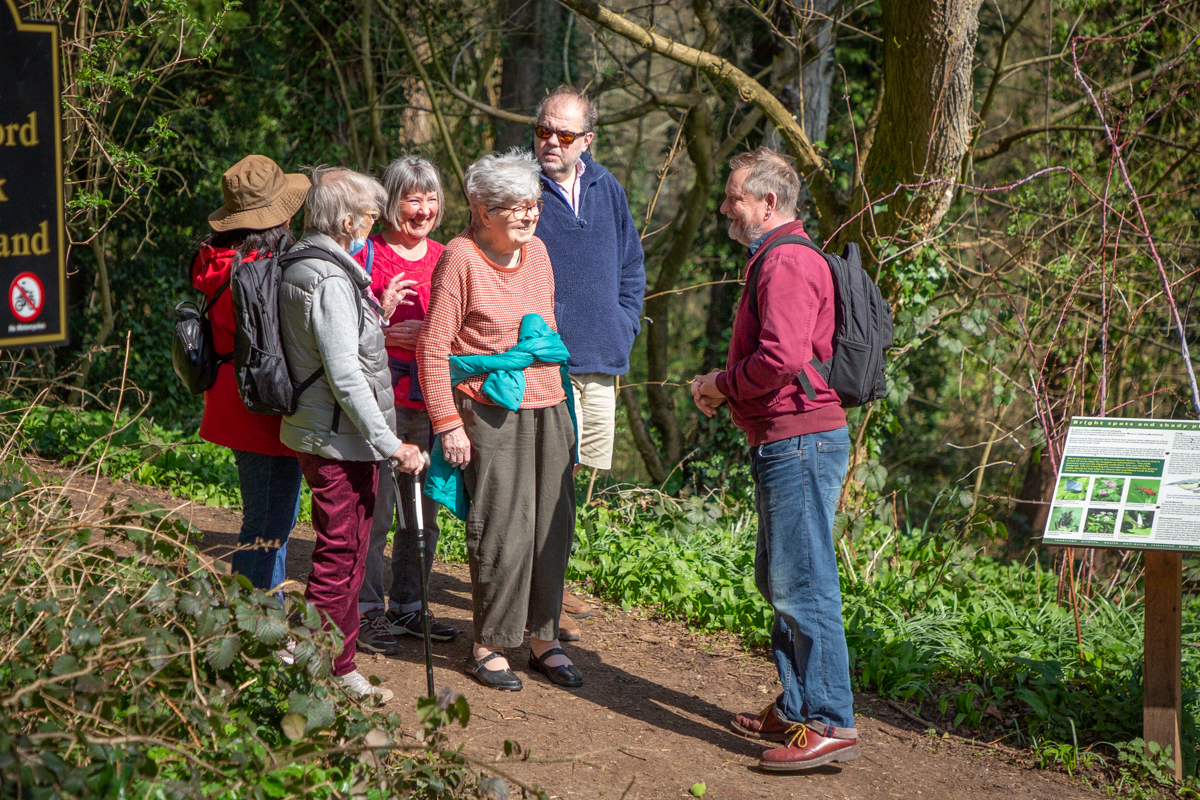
x=505 y=385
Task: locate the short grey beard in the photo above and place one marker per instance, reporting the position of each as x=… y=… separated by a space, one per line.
x=741 y=234
x=556 y=176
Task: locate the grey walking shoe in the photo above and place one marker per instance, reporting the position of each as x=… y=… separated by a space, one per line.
x=375 y=635
x=410 y=625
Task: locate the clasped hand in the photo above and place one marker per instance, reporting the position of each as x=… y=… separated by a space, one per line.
x=706 y=395
x=456 y=447
x=408 y=458
x=403 y=334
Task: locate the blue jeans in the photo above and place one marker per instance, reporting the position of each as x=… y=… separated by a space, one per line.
x=270 y=503
x=797 y=483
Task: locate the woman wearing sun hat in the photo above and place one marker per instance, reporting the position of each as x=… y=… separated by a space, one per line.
x=260 y=200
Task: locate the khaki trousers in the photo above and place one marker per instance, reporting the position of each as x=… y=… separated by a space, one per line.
x=522 y=520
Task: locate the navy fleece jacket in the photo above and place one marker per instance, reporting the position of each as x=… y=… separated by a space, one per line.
x=599 y=278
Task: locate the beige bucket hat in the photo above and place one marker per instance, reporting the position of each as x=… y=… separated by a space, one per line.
x=258 y=195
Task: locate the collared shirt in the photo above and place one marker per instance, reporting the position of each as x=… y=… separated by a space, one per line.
x=757 y=243
x=572 y=196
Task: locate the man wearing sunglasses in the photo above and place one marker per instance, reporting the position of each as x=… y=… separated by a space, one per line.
x=599 y=278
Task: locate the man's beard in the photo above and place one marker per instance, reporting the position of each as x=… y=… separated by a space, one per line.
x=559 y=173
x=742 y=233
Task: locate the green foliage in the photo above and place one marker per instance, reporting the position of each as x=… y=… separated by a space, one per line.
x=1066 y=755
x=134 y=670
x=1145 y=763
x=1101 y=522
x=136 y=449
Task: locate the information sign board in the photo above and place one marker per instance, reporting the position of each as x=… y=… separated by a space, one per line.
x=33 y=269
x=1128 y=483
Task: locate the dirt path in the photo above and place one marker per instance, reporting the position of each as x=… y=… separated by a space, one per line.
x=651 y=719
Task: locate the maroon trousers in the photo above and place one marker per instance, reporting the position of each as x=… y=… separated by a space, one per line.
x=343 y=504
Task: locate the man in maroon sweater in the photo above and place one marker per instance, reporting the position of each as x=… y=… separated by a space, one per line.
x=800 y=451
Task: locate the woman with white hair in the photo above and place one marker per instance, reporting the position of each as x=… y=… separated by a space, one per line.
x=413 y=211
x=509 y=429
x=344 y=422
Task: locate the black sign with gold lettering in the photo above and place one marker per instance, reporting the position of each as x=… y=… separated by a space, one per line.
x=33 y=272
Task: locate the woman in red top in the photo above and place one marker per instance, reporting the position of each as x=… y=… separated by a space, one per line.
x=413 y=211
x=259 y=203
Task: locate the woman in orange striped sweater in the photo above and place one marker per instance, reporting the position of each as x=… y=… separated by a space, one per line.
x=517 y=465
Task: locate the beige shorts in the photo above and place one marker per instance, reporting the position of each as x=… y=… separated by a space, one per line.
x=596 y=410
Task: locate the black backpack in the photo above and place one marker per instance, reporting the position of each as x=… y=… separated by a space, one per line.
x=263 y=380
x=192 y=354
x=862 y=326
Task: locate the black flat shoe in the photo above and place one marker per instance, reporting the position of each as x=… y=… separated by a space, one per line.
x=567 y=676
x=503 y=679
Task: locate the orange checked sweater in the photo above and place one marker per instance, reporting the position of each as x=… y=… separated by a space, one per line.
x=475 y=308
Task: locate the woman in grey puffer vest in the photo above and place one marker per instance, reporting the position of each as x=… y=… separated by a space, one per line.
x=344 y=422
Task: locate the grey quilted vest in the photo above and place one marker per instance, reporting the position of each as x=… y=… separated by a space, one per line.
x=320 y=301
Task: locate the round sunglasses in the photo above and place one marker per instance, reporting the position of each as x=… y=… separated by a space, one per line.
x=565 y=137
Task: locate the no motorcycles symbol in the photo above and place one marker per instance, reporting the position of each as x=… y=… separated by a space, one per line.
x=26 y=298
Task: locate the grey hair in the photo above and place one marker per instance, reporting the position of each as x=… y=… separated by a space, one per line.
x=502 y=180
x=769 y=172
x=408 y=174
x=338 y=193
x=590 y=113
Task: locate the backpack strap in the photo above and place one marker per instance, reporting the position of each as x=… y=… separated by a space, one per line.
x=370 y=256
x=209 y=302
x=760 y=256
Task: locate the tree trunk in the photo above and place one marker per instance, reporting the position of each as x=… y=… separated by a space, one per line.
x=658 y=306
x=722 y=300
x=807 y=95
x=925 y=123
x=380 y=155
x=816 y=80
x=1028 y=517
x=641 y=438
x=107 y=320
x=531 y=63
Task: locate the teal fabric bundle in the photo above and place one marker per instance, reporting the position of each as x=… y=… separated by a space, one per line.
x=505 y=385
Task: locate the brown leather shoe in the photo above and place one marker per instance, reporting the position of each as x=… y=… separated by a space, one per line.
x=568 y=629
x=574 y=606
x=807 y=749
x=768 y=725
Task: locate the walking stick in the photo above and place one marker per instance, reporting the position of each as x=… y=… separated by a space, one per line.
x=416 y=489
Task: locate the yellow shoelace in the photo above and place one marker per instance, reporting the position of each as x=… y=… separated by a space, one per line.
x=801 y=733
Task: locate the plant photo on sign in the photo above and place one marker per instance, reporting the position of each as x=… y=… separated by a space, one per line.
x=1065 y=520
x=1137 y=523
x=1072 y=487
x=1107 y=490
x=1100 y=521
x=1143 y=491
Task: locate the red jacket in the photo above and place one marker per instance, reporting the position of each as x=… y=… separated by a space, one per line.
x=796 y=304
x=226 y=419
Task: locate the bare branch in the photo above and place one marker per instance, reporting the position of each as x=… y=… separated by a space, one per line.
x=809 y=161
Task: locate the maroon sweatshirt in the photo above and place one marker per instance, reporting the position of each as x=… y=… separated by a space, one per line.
x=796 y=305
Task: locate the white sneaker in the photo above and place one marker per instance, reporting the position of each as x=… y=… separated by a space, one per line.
x=357 y=684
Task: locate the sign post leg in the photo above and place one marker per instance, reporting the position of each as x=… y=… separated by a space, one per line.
x=1162 y=709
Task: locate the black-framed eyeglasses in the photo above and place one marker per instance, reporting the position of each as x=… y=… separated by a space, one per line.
x=565 y=137
x=522 y=212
